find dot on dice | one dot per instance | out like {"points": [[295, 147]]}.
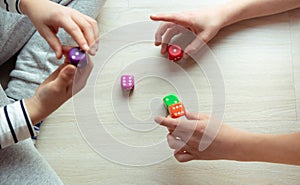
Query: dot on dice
{"points": [[174, 106], [175, 52], [177, 110]]}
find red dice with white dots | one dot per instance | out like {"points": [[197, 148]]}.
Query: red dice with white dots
{"points": [[176, 110], [127, 82], [175, 53]]}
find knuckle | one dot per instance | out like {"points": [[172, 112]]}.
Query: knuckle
{"points": [[94, 22]]}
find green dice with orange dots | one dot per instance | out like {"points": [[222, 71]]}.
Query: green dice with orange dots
{"points": [[175, 107]]}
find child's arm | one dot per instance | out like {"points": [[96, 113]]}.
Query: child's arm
{"points": [[15, 124], [207, 23], [16, 119], [60, 86], [228, 143], [238, 10], [276, 148]]}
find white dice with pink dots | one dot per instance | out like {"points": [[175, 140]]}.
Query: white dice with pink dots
{"points": [[127, 82]]}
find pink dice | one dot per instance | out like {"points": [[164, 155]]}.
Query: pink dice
{"points": [[127, 82]]}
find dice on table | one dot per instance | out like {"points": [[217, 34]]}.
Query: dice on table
{"points": [[170, 99], [77, 57], [127, 82], [175, 52], [176, 110], [174, 106]]}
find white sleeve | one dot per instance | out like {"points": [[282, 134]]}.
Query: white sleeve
{"points": [[11, 5], [15, 124]]}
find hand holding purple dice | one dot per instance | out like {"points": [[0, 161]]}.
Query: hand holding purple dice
{"points": [[175, 53], [127, 82], [77, 57]]}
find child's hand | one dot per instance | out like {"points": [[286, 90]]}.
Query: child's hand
{"points": [[185, 136], [48, 17], [204, 24], [57, 89]]}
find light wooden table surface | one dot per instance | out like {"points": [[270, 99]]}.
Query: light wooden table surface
{"points": [[260, 63]]}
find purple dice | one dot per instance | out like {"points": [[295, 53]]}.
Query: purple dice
{"points": [[77, 57], [127, 82]]}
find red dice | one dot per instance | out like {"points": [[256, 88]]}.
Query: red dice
{"points": [[175, 52], [176, 110]]}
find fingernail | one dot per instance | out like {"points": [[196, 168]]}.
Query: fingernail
{"points": [[93, 50], [85, 47], [57, 55], [158, 119], [70, 71], [185, 56]]}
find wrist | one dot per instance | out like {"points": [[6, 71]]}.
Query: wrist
{"points": [[23, 6], [228, 15], [34, 110], [251, 147]]}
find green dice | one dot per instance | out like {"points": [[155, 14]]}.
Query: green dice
{"points": [[170, 100]]}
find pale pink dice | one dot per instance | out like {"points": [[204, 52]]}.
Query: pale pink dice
{"points": [[127, 82]]}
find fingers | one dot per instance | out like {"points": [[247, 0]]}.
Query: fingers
{"points": [[193, 47], [54, 75], [184, 135], [75, 31], [196, 116], [170, 123], [176, 144], [82, 76], [182, 151], [184, 129], [95, 29], [94, 47], [165, 33], [52, 39], [176, 23], [65, 76], [170, 33], [89, 28], [184, 157], [65, 51], [176, 124], [161, 31], [171, 21], [83, 29], [177, 18]]}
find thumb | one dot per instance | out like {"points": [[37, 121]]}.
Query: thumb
{"points": [[194, 46], [65, 76], [200, 40]]}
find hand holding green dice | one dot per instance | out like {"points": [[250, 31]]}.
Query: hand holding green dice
{"points": [[175, 107]]}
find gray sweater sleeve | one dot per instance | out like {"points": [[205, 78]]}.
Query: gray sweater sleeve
{"points": [[15, 124], [11, 5]]}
